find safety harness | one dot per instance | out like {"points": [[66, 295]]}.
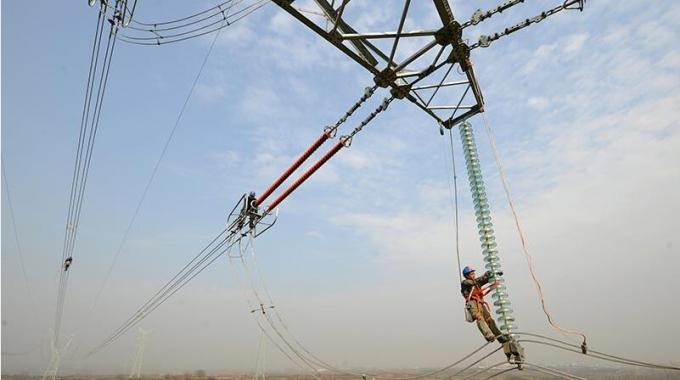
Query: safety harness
{"points": [[477, 293]]}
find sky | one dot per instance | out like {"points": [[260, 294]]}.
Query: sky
{"points": [[361, 263]]}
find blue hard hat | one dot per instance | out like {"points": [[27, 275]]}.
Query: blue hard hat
{"points": [[467, 270], [252, 194]]}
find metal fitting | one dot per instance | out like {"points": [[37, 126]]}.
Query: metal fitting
{"points": [[449, 34], [400, 92], [385, 77]]}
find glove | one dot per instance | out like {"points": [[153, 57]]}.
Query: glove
{"points": [[499, 273]]}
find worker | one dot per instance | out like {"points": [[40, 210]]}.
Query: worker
{"points": [[473, 291], [249, 211], [67, 263], [471, 288]]}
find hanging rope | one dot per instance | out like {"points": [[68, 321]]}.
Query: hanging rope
{"points": [[453, 197], [525, 249]]}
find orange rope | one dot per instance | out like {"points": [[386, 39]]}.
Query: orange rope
{"points": [[527, 255]]}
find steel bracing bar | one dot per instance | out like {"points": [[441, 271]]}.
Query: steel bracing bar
{"points": [[397, 34], [451, 107], [331, 152], [415, 55], [300, 160], [338, 16], [447, 84], [344, 28], [400, 29], [327, 36]]}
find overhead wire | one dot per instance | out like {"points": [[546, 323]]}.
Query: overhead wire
{"points": [[86, 138], [156, 29], [484, 370], [198, 264], [501, 373], [553, 372], [601, 355], [15, 233], [472, 364], [286, 335], [218, 6], [161, 39], [261, 302], [86, 168], [168, 140], [202, 260], [262, 329], [523, 241]]}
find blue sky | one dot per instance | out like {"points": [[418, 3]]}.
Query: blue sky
{"points": [[583, 106]]}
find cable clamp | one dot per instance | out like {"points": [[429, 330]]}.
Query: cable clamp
{"points": [[330, 131], [346, 140]]}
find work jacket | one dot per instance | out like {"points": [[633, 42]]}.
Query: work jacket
{"points": [[468, 286]]}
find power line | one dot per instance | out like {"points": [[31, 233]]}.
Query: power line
{"points": [[154, 37], [154, 24], [311, 357], [88, 131], [553, 372], [20, 253], [596, 354], [155, 170], [215, 249]]}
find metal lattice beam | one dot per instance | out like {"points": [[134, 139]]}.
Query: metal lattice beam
{"points": [[416, 76]]}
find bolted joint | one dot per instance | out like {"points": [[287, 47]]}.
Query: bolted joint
{"points": [[448, 123], [385, 77], [400, 92], [335, 37], [461, 54], [449, 34]]}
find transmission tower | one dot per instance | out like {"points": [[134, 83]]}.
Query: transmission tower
{"points": [[55, 359], [260, 362], [135, 372], [421, 75]]}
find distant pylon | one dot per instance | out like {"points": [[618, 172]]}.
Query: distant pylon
{"points": [[55, 360], [260, 363], [135, 372]]}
